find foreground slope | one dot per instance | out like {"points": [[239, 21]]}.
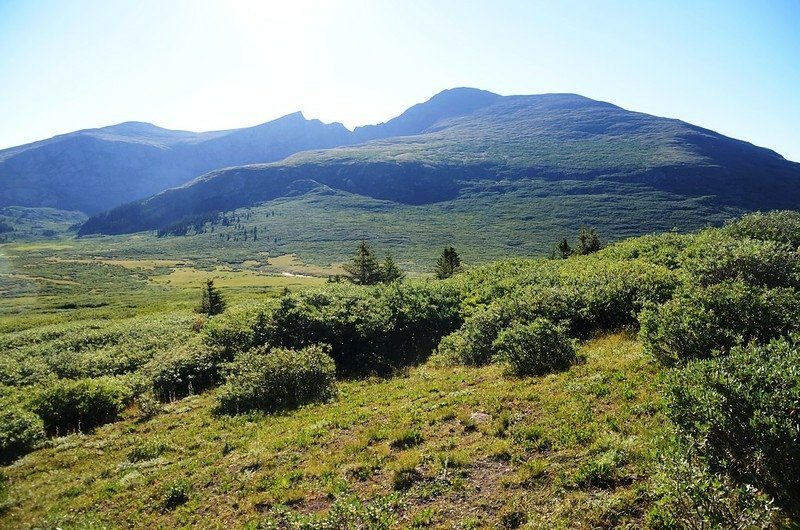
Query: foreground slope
{"points": [[533, 455], [524, 154], [511, 394]]}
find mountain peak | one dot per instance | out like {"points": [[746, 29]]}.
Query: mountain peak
{"points": [[461, 93], [132, 126], [450, 103]]}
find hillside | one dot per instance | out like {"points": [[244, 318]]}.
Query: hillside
{"points": [[652, 384], [96, 169], [555, 160]]}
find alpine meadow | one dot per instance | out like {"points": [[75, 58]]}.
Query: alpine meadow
{"points": [[541, 311]]}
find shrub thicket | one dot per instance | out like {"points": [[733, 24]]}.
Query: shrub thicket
{"points": [[67, 405], [582, 294], [741, 412], [781, 226], [536, 348], [370, 330], [277, 379], [186, 370], [704, 322], [689, 495], [89, 348], [611, 293], [716, 258], [661, 249], [20, 432]]}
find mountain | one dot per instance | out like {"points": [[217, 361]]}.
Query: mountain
{"points": [[528, 160], [96, 169]]}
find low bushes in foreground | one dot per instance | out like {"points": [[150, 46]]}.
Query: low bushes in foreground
{"points": [[277, 379], [20, 432], [741, 413], [782, 226], [581, 295], [67, 405], [370, 330], [188, 370], [536, 348], [703, 322], [689, 495]]}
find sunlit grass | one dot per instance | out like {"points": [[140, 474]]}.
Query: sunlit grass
{"points": [[530, 454]]}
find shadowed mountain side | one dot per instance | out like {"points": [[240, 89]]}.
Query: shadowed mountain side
{"points": [[408, 183], [96, 169]]}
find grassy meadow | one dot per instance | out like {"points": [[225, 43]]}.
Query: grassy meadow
{"points": [[444, 405], [470, 448]]}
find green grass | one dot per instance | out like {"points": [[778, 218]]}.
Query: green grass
{"points": [[64, 278], [565, 456]]}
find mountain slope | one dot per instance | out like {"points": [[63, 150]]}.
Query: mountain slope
{"points": [[96, 169], [515, 150]]}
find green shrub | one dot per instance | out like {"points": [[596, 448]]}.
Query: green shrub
{"points": [[661, 249], [370, 330], [474, 343], [703, 322], [277, 379], [781, 226], [536, 348], [20, 432], [186, 370], [175, 494], [610, 294], [471, 345], [148, 405], [716, 258], [67, 405], [582, 294], [231, 332], [688, 495], [89, 348], [741, 412]]}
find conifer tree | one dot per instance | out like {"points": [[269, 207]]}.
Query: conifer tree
{"points": [[448, 263], [212, 302], [564, 250], [364, 270], [390, 272]]}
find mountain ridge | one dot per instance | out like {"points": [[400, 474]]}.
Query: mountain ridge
{"points": [[93, 170], [457, 149], [538, 140]]}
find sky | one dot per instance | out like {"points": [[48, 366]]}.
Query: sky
{"points": [[727, 65]]}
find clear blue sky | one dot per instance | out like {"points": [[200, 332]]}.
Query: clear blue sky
{"points": [[728, 65]]}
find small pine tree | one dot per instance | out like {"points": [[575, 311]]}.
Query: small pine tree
{"points": [[261, 330], [365, 269], [564, 250], [390, 272], [448, 263], [588, 242], [212, 302]]}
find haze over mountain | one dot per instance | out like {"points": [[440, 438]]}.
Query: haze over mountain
{"points": [[468, 148], [96, 169]]}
